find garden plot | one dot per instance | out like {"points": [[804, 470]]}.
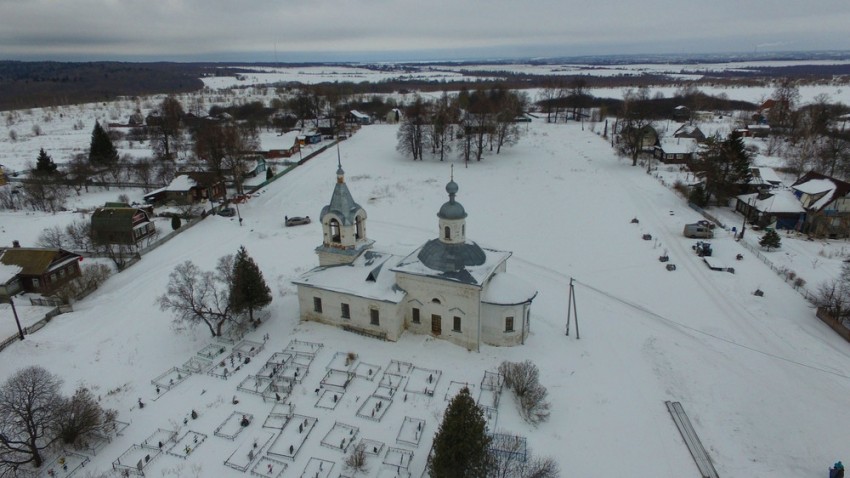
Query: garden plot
{"points": [[410, 432], [337, 380], [299, 346], [456, 387], [393, 472], [134, 460], [278, 389], [211, 351], [186, 444], [233, 425], [400, 368], [422, 381], [93, 444], [100, 438], [170, 378], [292, 437], [340, 437], [249, 450], [248, 348], [268, 468], [388, 385], [226, 367], [278, 416], [66, 464], [367, 371], [489, 398], [318, 468], [374, 408], [196, 365], [491, 389], [329, 399], [398, 457], [342, 361], [254, 384], [509, 447], [491, 416], [160, 439], [372, 447]]}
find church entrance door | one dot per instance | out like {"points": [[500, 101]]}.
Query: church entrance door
{"points": [[436, 324]]}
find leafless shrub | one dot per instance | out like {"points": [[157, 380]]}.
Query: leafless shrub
{"points": [[356, 460], [53, 237], [523, 379]]}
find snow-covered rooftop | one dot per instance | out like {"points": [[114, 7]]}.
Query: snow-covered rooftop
{"points": [[678, 145], [181, 183], [475, 275], [368, 276], [506, 289], [8, 272], [780, 201]]}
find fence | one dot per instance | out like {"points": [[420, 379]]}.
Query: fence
{"points": [[36, 326], [836, 324], [787, 276]]}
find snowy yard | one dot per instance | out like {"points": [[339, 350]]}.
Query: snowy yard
{"points": [[763, 380]]}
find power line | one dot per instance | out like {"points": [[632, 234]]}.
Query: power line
{"points": [[707, 334]]}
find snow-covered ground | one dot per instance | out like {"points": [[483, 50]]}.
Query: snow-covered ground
{"points": [[762, 379]]}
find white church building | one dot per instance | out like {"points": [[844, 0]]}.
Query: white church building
{"points": [[449, 288]]}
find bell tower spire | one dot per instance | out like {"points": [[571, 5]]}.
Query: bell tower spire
{"points": [[343, 225]]}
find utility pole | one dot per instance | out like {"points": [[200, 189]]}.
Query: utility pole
{"points": [[571, 309], [17, 321]]}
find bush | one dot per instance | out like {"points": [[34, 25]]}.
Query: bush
{"points": [[356, 460], [523, 379]]}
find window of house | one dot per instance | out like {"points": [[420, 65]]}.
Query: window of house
{"points": [[317, 304], [456, 324], [375, 317], [53, 277], [415, 315], [36, 283], [61, 273], [509, 324], [345, 311]]}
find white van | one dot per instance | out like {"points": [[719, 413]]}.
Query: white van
{"points": [[699, 231]]}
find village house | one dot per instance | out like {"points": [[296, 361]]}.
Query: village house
{"points": [[690, 131], [40, 270], [779, 209], [188, 188], [118, 223], [827, 205], [449, 288], [675, 150], [356, 117]]}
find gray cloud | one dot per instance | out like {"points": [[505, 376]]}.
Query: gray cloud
{"points": [[209, 29]]}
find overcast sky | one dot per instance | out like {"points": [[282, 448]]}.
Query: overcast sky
{"points": [[301, 30]]}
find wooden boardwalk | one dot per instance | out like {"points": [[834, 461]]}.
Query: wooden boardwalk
{"points": [[701, 458]]}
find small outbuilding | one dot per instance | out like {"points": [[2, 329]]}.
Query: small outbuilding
{"points": [[121, 224]]}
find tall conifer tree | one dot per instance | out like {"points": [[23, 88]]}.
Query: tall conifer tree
{"points": [[461, 445], [249, 290], [101, 152]]}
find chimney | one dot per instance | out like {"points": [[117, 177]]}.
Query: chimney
{"points": [[16, 244]]}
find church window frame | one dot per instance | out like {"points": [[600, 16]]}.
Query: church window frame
{"points": [[416, 317], [335, 230], [358, 227], [317, 305], [374, 316], [509, 324], [345, 310], [447, 233], [456, 322]]}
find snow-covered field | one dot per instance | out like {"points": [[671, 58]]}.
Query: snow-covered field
{"points": [[762, 379]]}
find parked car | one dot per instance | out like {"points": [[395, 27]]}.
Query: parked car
{"points": [[697, 230], [227, 212], [297, 220]]}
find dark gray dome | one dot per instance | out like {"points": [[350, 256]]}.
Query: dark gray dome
{"points": [[440, 256], [452, 209]]}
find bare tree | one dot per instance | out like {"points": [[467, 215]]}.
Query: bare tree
{"points": [[81, 417], [356, 460], [198, 297], [411, 133], [45, 194], [29, 406], [167, 128], [523, 379], [636, 127], [53, 237]]}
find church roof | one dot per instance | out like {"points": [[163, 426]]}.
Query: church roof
{"points": [[342, 204], [507, 289], [451, 209], [445, 257], [368, 277], [471, 274]]}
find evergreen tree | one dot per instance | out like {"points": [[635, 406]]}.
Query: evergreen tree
{"points": [[770, 240], [725, 165], [697, 196], [101, 152], [461, 445], [248, 290], [44, 165], [175, 222]]}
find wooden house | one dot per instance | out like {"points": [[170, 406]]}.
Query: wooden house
{"points": [[41, 270], [121, 224], [690, 131], [827, 205], [356, 117], [675, 150], [189, 187]]}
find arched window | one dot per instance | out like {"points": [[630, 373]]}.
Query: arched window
{"points": [[447, 232], [358, 227], [334, 227], [435, 301]]}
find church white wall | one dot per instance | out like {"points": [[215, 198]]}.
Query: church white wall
{"points": [[329, 258], [391, 322], [493, 320], [455, 299]]}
